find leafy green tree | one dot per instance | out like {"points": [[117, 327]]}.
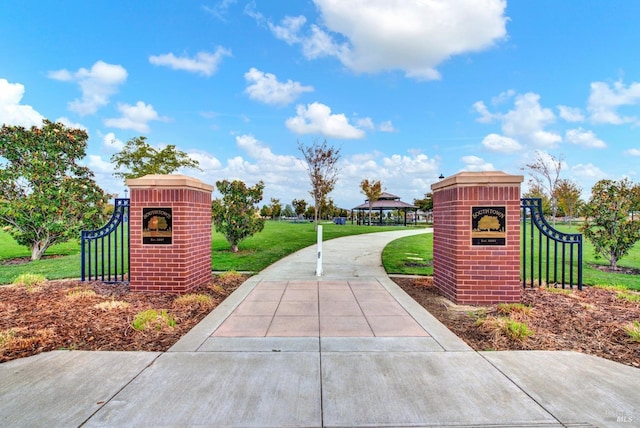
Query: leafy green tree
{"points": [[425, 204], [46, 196], [568, 197], [608, 225], [310, 212], [372, 190], [236, 214], [288, 211], [265, 211], [535, 191], [300, 205], [138, 158], [322, 166], [276, 208]]}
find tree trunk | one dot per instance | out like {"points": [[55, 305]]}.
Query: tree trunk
{"points": [[38, 249], [234, 248]]}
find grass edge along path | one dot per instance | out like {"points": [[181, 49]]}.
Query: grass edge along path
{"points": [[410, 255], [277, 240]]}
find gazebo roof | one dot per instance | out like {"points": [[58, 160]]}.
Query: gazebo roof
{"points": [[387, 201]]}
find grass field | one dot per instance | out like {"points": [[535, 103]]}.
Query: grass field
{"points": [[411, 255], [277, 240]]}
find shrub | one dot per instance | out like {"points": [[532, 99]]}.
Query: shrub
{"points": [[151, 318], [194, 299], [633, 330], [32, 282]]}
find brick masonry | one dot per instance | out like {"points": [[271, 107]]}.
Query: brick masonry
{"points": [[185, 263], [476, 274]]}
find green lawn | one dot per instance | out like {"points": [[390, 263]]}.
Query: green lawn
{"points": [[411, 255], [277, 240]]}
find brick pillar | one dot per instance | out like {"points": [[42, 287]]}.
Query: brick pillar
{"points": [[170, 238], [476, 237]]}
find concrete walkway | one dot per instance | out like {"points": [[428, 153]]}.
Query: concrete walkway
{"points": [[347, 349]]}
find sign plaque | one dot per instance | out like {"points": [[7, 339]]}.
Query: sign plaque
{"points": [[157, 226], [488, 225]]}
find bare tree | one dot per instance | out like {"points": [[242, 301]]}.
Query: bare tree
{"points": [[322, 165], [372, 190], [545, 174]]}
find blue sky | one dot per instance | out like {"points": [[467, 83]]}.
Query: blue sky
{"points": [[408, 90]]}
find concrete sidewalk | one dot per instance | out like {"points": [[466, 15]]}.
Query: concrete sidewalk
{"points": [[347, 349]]}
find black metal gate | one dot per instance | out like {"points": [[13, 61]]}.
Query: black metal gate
{"points": [[549, 256], [105, 251]]}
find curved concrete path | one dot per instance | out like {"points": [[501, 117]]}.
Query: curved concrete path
{"points": [[303, 367]]}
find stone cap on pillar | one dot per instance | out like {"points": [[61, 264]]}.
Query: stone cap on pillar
{"points": [[169, 181], [483, 178]]}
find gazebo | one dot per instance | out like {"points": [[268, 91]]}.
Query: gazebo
{"points": [[386, 202]]}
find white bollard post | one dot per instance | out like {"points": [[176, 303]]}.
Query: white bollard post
{"points": [[319, 265]]}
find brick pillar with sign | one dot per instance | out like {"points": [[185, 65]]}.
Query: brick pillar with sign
{"points": [[476, 237], [170, 237]]}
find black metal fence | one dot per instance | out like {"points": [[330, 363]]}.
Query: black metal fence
{"points": [[105, 252], [548, 256]]}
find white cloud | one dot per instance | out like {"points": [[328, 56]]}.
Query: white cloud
{"points": [[571, 114], [99, 165], [111, 142], [70, 124], [485, 115], [316, 118], [204, 63], [365, 123], [526, 122], [605, 100], [528, 119], [633, 152], [207, 161], [386, 126], [288, 29], [588, 171], [11, 111], [584, 138], [501, 144], [266, 88], [97, 85], [257, 150], [136, 117], [409, 165], [383, 35], [474, 163], [220, 9]]}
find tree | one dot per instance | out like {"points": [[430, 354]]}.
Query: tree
{"points": [[300, 206], [46, 196], [535, 191], [568, 197], [425, 204], [607, 224], [236, 214], [276, 208], [322, 166], [140, 159], [545, 175], [372, 190], [288, 211], [265, 211]]}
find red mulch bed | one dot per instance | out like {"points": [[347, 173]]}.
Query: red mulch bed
{"points": [[591, 321], [86, 316], [74, 315]]}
